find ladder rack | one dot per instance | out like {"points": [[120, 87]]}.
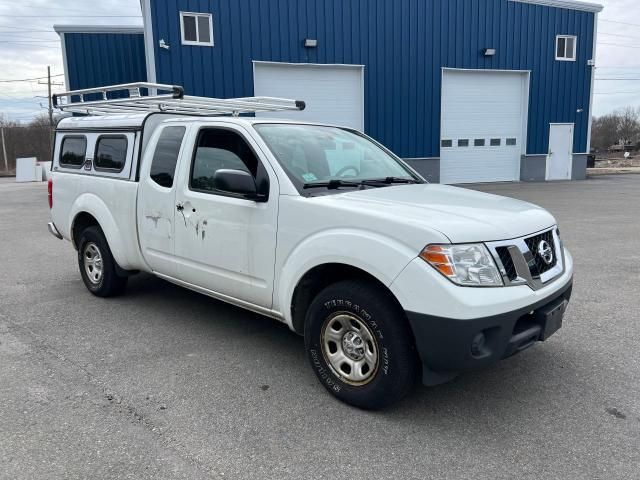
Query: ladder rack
{"points": [[131, 98]]}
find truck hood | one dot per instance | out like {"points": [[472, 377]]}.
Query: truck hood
{"points": [[460, 214]]}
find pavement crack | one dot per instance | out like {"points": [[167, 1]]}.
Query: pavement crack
{"points": [[114, 400]]}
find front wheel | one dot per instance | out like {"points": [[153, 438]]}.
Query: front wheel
{"points": [[360, 345], [97, 265]]}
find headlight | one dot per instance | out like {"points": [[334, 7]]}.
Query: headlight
{"points": [[469, 265]]}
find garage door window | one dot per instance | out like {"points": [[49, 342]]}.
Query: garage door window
{"points": [[479, 142], [566, 48], [196, 29], [446, 143], [464, 142], [512, 142], [495, 142]]}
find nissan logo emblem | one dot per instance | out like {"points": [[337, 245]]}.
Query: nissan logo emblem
{"points": [[545, 252]]}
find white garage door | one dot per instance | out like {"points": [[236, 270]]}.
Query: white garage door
{"points": [[333, 93], [483, 125]]}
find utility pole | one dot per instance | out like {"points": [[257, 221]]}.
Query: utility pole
{"points": [[51, 122], [50, 108], [4, 150], [50, 99]]}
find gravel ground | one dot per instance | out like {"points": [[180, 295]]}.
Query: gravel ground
{"points": [[165, 383]]}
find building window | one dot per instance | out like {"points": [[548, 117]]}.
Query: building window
{"points": [[479, 142], [566, 48], [463, 142], [111, 153], [495, 142], [196, 29], [512, 142], [446, 143]]}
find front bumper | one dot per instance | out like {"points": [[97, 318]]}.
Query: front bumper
{"points": [[446, 345]]}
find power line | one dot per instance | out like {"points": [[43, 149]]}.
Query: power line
{"points": [[619, 45], [620, 23], [30, 44], [601, 79], [30, 79], [617, 93], [41, 7], [618, 35], [73, 16]]}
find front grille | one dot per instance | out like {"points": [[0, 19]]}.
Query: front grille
{"points": [[537, 265], [507, 262]]}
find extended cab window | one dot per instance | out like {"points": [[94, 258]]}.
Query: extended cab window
{"points": [[111, 153], [73, 151], [219, 149], [165, 158]]}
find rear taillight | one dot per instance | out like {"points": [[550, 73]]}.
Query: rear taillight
{"points": [[50, 192]]}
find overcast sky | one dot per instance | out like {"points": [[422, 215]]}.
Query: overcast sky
{"points": [[29, 44]]}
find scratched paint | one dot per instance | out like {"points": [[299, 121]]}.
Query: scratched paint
{"points": [[157, 224]]}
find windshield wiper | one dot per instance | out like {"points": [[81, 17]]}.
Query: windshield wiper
{"points": [[372, 182], [332, 184], [388, 181]]}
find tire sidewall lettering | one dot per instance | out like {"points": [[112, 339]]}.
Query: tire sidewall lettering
{"points": [[337, 304]]}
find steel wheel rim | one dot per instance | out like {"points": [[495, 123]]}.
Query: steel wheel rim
{"points": [[93, 265], [350, 348]]}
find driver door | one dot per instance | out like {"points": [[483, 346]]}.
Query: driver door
{"points": [[226, 243]]}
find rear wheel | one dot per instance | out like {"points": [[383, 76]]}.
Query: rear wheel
{"points": [[97, 265], [360, 345]]}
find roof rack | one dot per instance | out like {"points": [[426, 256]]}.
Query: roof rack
{"points": [[145, 97]]}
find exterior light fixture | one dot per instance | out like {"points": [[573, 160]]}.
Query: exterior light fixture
{"points": [[310, 43], [489, 52], [164, 44]]}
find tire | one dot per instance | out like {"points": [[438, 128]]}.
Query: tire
{"points": [[99, 271], [351, 324]]}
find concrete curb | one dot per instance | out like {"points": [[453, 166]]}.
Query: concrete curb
{"points": [[592, 172]]}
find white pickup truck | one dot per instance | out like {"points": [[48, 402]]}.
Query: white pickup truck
{"points": [[387, 277]]}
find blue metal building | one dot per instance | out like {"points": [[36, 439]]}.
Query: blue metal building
{"points": [[466, 90], [99, 55]]}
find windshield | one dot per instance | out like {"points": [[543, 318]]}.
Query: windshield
{"points": [[313, 156]]}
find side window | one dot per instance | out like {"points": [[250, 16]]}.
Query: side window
{"points": [[111, 153], [566, 48], [196, 29], [219, 149], [165, 158], [73, 151]]}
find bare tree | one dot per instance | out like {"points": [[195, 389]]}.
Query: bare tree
{"points": [[604, 131], [26, 140], [629, 125], [621, 127]]}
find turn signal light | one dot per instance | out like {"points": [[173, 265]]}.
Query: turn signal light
{"points": [[437, 257], [464, 264]]}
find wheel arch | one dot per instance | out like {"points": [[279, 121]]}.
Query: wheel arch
{"points": [[321, 276], [89, 210]]}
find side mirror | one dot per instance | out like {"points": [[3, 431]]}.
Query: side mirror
{"points": [[235, 181]]}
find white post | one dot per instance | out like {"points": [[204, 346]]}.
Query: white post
{"points": [[4, 151]]}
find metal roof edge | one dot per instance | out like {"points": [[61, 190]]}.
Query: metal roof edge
{"points": [[568, 4], [131, 29]]}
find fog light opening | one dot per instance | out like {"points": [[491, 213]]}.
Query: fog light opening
{"points": [[479, 347]]}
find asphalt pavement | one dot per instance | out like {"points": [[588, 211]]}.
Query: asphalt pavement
{"points": [[165, 383]]}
